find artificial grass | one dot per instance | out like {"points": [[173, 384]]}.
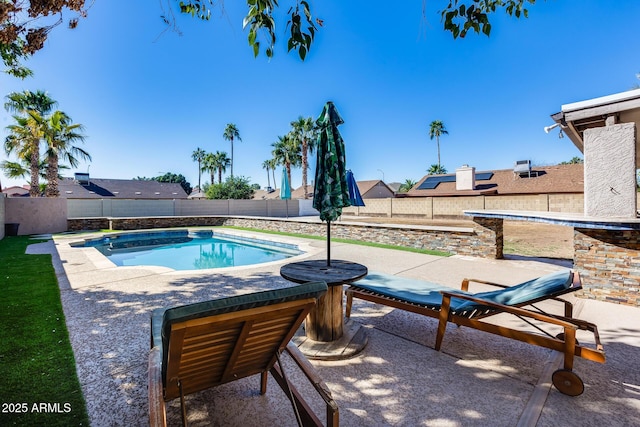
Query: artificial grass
{"points": [[350, 241], [38, 380]]}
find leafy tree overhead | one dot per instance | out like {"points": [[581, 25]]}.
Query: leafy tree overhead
{"points": [[25, 24], [234, 187]]}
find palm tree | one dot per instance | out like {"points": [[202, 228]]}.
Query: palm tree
{"points": [[286, 151], [272, 164], [31, 108], [407, 185], [208, 165], [60, 136], [198, 156], [231, 133], [267, 165], [436, 129], [221, 161], [436, 170], [306, 132]]}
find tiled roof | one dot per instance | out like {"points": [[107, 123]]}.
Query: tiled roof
{"points": [[544, 179], [99, 188]]}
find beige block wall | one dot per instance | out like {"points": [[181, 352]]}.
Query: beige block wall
{"points": [[532, 202], [422, 206], [454, 206], [573, 203], [37, 215]]}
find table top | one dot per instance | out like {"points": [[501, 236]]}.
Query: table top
{"points": [[338, 273]]}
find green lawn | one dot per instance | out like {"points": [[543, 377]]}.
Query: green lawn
{"points": [[38, 381]]}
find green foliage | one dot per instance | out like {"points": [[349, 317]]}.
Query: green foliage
{"points": [[460, 16], [407, 185], [573, 161], [436, 169], [234, 187], [169, 177], [37, 359], [176, 178]]}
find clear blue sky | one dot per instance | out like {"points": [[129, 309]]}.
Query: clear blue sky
{"points": [[148, 100]]}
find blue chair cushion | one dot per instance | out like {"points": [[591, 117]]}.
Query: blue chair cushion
{"points": [[529, 291]]}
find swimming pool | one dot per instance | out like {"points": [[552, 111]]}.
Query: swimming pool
{"points": [[189, 250]]}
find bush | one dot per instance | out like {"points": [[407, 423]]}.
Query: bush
{"points": [[234, 187]]}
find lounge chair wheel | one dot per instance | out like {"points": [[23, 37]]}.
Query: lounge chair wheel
{"points": [[567, 382], [560, 336]]}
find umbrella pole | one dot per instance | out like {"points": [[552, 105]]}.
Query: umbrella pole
{"points": [[328, 243]]}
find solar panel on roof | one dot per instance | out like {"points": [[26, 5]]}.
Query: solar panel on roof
{"points": [[432, 182]]}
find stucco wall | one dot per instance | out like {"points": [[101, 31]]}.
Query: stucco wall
{"points": [[2, 199], [37, 215], [78, 208], [610, 171]]}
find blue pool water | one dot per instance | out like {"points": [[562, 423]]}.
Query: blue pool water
{"points": [[183, 250]]}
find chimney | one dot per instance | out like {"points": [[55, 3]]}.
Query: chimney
{"points": [[465, 178], [82, 178]]}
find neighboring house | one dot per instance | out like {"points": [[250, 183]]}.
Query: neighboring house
{"points": [[374, 189], [83, 187], [16, 191], [536, 180], [395, 186]]}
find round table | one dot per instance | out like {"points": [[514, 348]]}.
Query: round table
{"points": [[325, 321]]}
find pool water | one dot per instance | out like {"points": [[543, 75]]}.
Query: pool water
{"points": [[183, 250]]}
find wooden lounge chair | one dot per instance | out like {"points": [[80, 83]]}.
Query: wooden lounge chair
{"points": [[467, 309], [198, 346]]}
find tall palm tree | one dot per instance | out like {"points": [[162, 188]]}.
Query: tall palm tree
{"points": [[60, 136], [31, 108], [306, 132], [198, 156], [208, 166], [230, 133], [221, 161], [272, 164], [436, 129], [286, 151], [267, 165]]}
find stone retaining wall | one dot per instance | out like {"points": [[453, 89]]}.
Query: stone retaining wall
{"points": [[485, 239], [609, 264]]}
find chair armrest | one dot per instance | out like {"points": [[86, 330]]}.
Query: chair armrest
{"points": [[466, 281], [157, 414], [507, 309], [313, 376]]}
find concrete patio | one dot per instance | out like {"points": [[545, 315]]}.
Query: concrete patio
{"points": [[398, 380]]}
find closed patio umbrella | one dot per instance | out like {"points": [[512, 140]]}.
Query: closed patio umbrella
{"points": [[285, 190], [331, 192], [354, 192]]}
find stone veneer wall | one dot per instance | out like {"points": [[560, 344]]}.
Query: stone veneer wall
{"points": [[485, 239], [609, 264]]}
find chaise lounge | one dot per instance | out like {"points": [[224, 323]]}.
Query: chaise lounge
{"points": [[464, 308], [199, 346]]}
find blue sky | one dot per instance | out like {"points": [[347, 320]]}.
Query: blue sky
{"points": [[148, 99]]}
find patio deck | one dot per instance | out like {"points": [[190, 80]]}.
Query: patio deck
{"points": [[397, 380]]}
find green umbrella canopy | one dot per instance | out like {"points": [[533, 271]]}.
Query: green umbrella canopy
{"points": [[331, 192]]}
